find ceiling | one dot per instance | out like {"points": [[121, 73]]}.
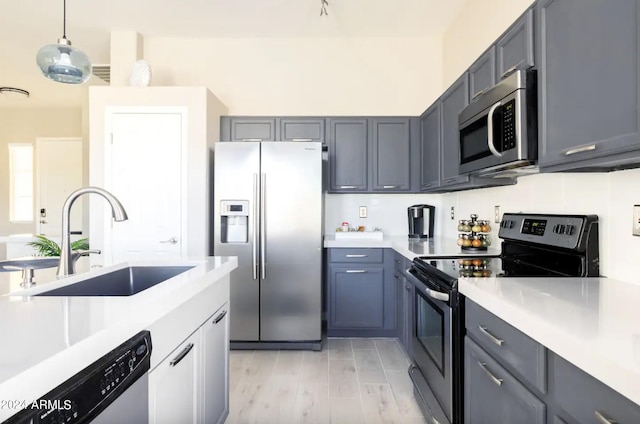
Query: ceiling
{"points": [[27, 25]]}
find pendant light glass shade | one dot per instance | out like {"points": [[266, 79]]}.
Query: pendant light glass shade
{"points": [[63, 63]]}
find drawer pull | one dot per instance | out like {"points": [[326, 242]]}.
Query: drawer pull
{"points": [[426, 185], [219, 317], [389, 186], [356, 271], [301, 139], [450, 180], [357, 256], [604, 420], [493, 378], [347, 186], [396, 276], [251, 139], [181, 355], [580, 150], [491, 337], [396, 261], [407, 288]]}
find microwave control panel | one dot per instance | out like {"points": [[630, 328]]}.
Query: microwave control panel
{"points": [[509, 125]]}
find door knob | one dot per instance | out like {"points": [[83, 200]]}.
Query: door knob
{"points": [[43, 221], [172, 240]]}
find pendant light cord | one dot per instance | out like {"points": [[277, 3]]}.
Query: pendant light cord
{"points": [[64, 18]]}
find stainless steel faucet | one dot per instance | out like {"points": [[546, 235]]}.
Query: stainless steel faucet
{"points": [[67, 260]]}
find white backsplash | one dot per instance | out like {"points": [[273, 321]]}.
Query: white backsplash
{"points": [[385, 211], [611, 196]]}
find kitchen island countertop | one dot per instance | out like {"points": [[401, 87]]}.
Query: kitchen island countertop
{"points": [[436, 247], [48, 339], [594, 323]]}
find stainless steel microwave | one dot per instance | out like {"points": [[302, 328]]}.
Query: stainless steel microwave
{"points": [[498, 130]]}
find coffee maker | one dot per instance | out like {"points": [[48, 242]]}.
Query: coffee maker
{"points": [[421, 221]]}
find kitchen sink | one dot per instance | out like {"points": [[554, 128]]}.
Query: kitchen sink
{"points": [[122, 282], [31, 262]]}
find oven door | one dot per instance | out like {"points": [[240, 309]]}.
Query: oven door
{"points": [[433, 341]]}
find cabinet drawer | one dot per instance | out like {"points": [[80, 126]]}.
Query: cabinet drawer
{"points": [[364, 255], [507, 344], [586, 399], [493, 395]]}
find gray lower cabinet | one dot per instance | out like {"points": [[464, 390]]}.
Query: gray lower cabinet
{"points": [[247, 128], [348, 157], [493, 395], [404, 302], [360, 295], [588, 84], [585, 400], [482, 74], [452, 101], [302, 129], [514, 49], [390, 154], [430, 140]]}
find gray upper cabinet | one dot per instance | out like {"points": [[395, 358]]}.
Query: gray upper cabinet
{"points": [[302, 129], [453, 101], [348, 141], [588, 84], [482, 74], [248, 129], [391, 154], [514, 50], [430, 148]]}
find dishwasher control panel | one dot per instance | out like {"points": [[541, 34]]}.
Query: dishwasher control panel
{"points": [[83, 396]]}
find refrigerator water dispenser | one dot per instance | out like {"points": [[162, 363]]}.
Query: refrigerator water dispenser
{"points": [[234, 219]]}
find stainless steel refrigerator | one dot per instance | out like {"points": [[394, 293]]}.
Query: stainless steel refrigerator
{"points": [[268, 213]]}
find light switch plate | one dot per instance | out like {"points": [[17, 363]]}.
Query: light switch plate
{"points": [[362, 212], [496, 214], [453, 212], [636, 220]]}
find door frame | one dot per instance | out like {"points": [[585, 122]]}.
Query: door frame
{"points": [[107, 223], [36, 186]]}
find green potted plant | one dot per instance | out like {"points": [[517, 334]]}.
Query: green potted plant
{"points": [[44, 246]]}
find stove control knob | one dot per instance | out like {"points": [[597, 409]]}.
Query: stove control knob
{"points": [[569, 229]]}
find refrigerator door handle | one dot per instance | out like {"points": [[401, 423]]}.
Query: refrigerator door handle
{"points": [[254, 241], [263, 237]]}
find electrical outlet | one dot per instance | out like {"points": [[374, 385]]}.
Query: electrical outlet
{"points": [[496, 214], [362, 211], [453, 213], [636, 220]]}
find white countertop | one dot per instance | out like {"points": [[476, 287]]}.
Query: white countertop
{"points": [[411, 248], [46, 340], [593, 323]]}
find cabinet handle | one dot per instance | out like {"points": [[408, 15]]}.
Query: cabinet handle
{"points": [[450, 180], [347, 186], [251, 139], [493, 378], [426, 185], [219, 317], [580, 150], [479, 93], [301, 139], [604, 420], [396, 276], [356, 256], [408, 288], [356, 271], [508, 72], [389, 186], [491, 337], [175, 361]]}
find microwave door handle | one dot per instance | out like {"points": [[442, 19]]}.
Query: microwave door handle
{"points": [[492, 148]]}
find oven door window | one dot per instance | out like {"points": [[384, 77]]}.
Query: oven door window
{"points": [[473, 138], [430, 329]]}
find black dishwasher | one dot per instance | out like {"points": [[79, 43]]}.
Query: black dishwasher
{"points": [[113, 389]]}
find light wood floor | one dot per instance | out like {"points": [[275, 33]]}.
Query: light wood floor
{"points": [[350, 381]]}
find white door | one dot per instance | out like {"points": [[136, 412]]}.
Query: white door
{"points": [[58, 173], [146, 175]]}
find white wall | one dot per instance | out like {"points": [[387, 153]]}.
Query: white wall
{"points": [[609, 195], [305, 76], [24, 125]]}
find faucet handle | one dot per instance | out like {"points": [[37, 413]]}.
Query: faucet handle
{"points": [[76, 254]]}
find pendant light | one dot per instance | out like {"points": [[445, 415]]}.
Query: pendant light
{"points": [[61, 62]]}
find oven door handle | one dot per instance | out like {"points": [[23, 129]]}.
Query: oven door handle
{"points": [[434, 294], [490, 145]]}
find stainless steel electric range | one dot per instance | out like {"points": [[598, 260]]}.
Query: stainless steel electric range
{"points": [[533, 245]]}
